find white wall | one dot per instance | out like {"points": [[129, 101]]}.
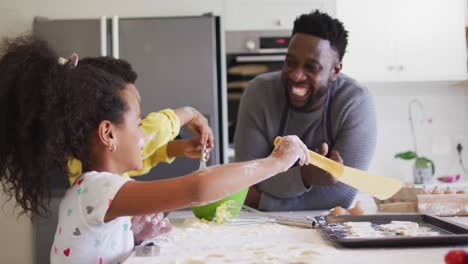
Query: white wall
{"points": [[446, 103], [16, 235], [17, 16], [16, 238]]}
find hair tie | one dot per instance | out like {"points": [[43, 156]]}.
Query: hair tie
{"points": [[73, 60], [62, 61]]}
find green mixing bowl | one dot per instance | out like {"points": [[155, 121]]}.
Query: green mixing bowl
{"points": [[208, 211]]}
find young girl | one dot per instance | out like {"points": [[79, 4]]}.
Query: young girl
{"points": [[165, 124], [161, 148], [51, 113]]}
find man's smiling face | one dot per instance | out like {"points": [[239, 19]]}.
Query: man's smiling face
{"points": [[311, 63]]}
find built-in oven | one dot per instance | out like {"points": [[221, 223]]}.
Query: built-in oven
{"points": [[250, 53]]}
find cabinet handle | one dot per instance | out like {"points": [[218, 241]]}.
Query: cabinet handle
{"points": [[390, 67], [103, 35], [401, 68], [115, 37]]}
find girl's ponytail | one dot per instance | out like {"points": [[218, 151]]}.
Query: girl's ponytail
{"points": [[32, 148], [48, 112]]}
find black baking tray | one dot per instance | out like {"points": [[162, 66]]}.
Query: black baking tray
{"points": [[450, 233]]}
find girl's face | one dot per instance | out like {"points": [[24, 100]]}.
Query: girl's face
{"points": [[130, 137]]}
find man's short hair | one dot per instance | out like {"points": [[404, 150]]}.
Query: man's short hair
{"points": [[325, 27]]}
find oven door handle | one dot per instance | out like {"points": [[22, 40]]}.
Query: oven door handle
{"points": [[261, 58]]}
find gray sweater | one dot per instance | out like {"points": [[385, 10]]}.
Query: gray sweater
{"points": [[353, 123]]}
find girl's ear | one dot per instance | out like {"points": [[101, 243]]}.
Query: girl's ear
{"points": [[106, 134]]}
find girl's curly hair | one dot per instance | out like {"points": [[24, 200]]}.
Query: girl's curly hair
{"points": [[48, 112]]}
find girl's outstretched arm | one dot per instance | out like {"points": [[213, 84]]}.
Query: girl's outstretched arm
{"points": [[204, 186]]}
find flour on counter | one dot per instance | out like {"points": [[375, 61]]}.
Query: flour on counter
{"points": [[196, 241]]}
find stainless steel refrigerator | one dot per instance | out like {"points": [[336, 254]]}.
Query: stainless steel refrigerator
{"points": [[178, 61]]}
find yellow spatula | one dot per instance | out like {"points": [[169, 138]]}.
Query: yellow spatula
{"points": [[380, 187]]}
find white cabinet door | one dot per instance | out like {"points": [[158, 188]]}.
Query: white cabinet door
{"points": [[431, 40], [370, 54], [270, 14], [417, 40]]}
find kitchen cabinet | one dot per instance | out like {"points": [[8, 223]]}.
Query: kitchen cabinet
{"points": [[268, 14], [417, 40]]}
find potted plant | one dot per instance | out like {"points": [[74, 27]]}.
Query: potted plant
{"points": [[423, 169]]}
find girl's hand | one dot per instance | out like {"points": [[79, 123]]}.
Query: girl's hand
{"points": [[193, 148], [149, 226], [199, 125], [190, 148], [289, 150], [312, 175]]}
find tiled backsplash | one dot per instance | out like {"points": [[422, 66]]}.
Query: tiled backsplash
{"points": [[446, 103]]}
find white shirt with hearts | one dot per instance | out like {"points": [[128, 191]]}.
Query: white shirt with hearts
{"points": [[81, 235]]}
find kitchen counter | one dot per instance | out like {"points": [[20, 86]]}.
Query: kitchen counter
{"points": [[192, 241]]}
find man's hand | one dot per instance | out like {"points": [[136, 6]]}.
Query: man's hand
{"points": [[312, 175], [149, 226]]}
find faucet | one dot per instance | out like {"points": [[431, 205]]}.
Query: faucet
{"points": [[416, 102]]}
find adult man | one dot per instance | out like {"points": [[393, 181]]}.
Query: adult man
{"points": [[309, 98]]}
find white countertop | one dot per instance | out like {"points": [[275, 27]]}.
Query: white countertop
{"points": [[195, 242]]}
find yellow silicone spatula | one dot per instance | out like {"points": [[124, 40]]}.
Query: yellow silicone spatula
{"points": [[379, 186]]}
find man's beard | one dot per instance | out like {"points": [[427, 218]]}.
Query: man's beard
{"points": [[311, 101]]}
